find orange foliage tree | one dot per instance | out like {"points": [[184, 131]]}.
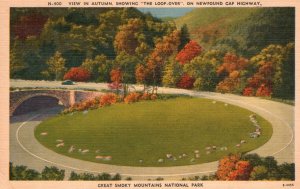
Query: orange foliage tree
{"points": [[232, 168], [232, 71], [142, 75], [162, 51], [116, 78], [190, 51], [127, 37]]}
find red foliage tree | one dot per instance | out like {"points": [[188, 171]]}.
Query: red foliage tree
{"points": [[262, 80], [232, 168], [264, 90], [186, 82], [77, 74], [29, 25], [189, 52], [248, 91]]}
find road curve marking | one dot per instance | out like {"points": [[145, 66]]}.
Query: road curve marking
{"points": [[154, 175]]}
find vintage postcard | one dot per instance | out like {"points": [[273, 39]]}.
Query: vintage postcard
{"points": [[149, 94]]}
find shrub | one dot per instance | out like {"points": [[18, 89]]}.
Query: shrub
{"points": [[263, 91], [145, 96], [153, 97], [132, 97], [53, 173], [108, 99], [186, 82], [21, 172], [248, 91], [77, 74]]}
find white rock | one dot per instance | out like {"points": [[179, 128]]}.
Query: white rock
{"points": [[44, 134], [59, 140], [184, 155], [169, 156], [258, 133], [196, 151], [214, 147], [85, 151], [60, 145], [238, 145], [208, 148], [243, 141], [207, 152], [141, 161], [107, 158], [197, 155], [99, 157], [160, 160], [71, 149]]}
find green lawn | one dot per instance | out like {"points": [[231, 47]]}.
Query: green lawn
{"points": [[149, 130]]}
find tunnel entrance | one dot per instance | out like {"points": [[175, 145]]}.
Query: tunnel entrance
{"points": [[37, 103]]}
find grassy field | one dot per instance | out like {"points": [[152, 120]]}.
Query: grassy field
{"points": [[142, 133]]}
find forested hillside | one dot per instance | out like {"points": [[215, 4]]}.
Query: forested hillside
{"points": [[243, 30], [247, 51]]}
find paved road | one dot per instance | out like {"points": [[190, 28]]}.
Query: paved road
{"points": [[26, 150]]}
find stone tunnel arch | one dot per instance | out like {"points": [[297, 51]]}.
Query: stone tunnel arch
{"points": [[24, 99]]}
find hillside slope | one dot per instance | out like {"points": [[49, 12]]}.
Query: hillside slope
{"points": [[206, 25]]}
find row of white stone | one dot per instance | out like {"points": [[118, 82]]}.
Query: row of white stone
{"points": [[257, 131]]}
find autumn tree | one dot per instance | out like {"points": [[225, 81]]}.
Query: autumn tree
{"points": [[232, 167], [116, 76], [29, 25], [142, 75], [186, 82], [274, 67], [56, 65], [190, 51], [233, 70], [77, 74], [163, 49], [127, 39]]}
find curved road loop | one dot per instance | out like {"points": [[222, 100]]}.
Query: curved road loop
{"points": [[26, 150]]}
